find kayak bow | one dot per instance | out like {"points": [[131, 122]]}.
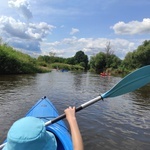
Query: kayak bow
{"points": [[45, 110]]}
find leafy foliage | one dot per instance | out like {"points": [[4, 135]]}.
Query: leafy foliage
{"points": [[80, 59], [143, 54], [51, 59], [139, 57], [14, 62], [102, 61], [66, 66]]}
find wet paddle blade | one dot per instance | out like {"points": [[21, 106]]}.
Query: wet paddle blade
{"points": [[130, 83]]}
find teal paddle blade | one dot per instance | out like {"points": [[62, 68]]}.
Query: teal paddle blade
{"points": [[130, 83]]}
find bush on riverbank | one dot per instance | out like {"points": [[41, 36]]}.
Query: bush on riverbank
{"points": [[15, 62], [66, 66]]}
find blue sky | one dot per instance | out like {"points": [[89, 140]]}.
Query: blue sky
{"points": [[67, 26]]}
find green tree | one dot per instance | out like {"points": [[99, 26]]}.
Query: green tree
{"points": [[113, 62], [101, 61], [70, 61], [129, 61], [51, 59], [82, 59], [98, 62], [139, 57], [142, 54]]}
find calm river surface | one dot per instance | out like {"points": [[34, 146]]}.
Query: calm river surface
{"points": [[119, 123]]}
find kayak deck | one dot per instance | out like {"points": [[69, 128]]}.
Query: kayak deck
{"points": [[45, 110]]}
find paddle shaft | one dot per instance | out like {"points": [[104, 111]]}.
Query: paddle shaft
{"points": [[86, 104], [131, 82], [1, 146], [92, 101]]}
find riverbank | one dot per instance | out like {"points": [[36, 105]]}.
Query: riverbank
{"points": [[16, 62]]}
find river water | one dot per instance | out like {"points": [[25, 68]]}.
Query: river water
{"points": [[119, 123]]}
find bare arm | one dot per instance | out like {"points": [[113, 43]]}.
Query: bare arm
{"points": [[75, 132]]}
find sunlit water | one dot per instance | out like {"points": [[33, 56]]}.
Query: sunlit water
{"points": [[119, 123]]}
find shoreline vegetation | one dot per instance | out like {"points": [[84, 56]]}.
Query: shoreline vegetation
{"points": [[16, 62]]}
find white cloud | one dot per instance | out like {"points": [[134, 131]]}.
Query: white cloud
{"points": [[69, 46], [74, 30], [28, 46], [47, 47], [22, 35], [22, 6], [32, 36], [133, 27], [13, 28]]}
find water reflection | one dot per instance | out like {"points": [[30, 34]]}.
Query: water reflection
{"points": [[78, 78], [143, 93]]}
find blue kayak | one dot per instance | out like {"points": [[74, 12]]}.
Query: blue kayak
{"points": [[45, 110]]}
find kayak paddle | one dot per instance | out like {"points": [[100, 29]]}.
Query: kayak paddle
{"points": [[129, 83]]}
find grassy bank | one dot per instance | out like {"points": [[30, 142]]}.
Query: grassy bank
{"points": [[15, 62], [66, 66]]}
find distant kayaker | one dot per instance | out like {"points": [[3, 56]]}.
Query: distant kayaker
{"points": [[75, 132], [29, 133]]}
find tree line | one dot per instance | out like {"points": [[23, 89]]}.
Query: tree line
{"points": [[139, 57], [78, 60], [107, 61], [15, 62]]}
